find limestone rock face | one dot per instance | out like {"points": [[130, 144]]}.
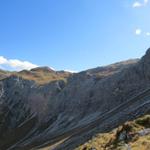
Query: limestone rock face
{"points": [[38, 112], [145, 63]]}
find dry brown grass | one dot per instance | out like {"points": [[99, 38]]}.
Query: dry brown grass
{"points": [[110, 141], [40, 76]]}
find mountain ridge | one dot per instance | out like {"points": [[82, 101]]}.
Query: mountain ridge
{"points": [[70, 101]]}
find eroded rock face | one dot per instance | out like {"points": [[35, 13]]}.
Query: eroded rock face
{"points": [[145, 63], [37, 112]]}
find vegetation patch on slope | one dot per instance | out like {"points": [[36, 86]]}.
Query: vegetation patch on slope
{"points": [[133, 135], [40, 75]]}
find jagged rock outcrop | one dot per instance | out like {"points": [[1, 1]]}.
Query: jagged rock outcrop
{"points": [[59, 106]]}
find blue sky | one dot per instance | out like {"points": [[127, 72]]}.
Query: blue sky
{"points": [[72, 34]]}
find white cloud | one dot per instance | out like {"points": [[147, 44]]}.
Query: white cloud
{"points": [[138, 4], [146, 1], [71, 71], [148, 33], [2, 60], [16, 64], [138, 31]]}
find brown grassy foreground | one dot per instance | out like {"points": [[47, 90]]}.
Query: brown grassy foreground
{"points": [[133, 135]]}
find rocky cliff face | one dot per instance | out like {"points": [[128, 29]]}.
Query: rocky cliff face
{"points": [[34, 115]]}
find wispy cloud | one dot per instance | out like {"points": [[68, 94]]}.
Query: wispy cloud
{"points": [[146, 1], [138, 31], [16, 64], [147, 33], [71, 71], [138, 4]]}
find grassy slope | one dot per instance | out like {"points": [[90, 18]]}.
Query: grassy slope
{"points": [[43, 77], [123, 138], [40, 76]]}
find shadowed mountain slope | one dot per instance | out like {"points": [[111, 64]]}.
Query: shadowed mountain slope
{"points": [[42, 107]]}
